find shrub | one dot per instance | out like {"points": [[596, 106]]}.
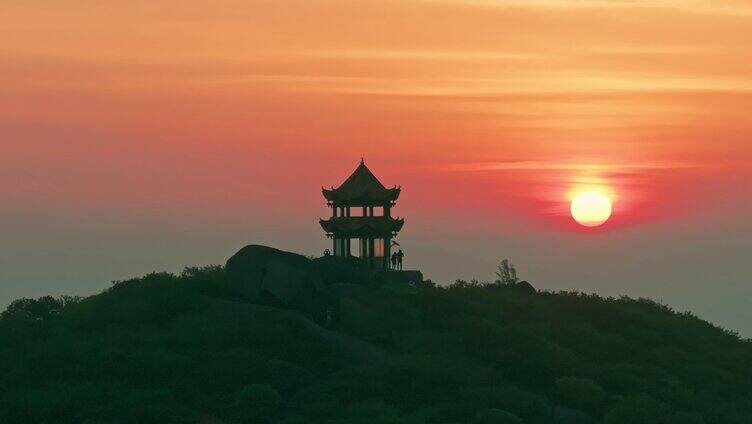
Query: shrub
{"points": [[686, 418], [580, 393], [258, 402], [636, 409], [496, 416]]}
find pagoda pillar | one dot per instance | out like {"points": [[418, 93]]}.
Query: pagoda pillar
{"points": [[387, 251]]}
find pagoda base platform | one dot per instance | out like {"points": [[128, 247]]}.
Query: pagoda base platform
{"points": [[407, 277]]}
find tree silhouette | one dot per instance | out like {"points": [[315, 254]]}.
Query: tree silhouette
{"points": [[506, 273]]}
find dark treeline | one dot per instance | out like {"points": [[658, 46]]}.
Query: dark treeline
{"points": [[185, 349]]}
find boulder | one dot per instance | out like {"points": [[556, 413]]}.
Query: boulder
{"points": [[526, 287], [267, 275]]}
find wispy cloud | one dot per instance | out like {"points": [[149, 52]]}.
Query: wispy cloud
{"points": [[531, 165], [693, 6], [429, 55]]}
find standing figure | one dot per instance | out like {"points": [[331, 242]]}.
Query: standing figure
{"points": [[400, 255], [394, 260]]}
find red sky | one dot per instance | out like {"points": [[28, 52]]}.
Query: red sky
{"points": [[142, 135]]}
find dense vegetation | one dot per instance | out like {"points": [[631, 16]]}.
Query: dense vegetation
{"points": [[167, 348]]}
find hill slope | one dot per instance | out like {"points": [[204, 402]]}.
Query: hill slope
{"points": [[188, 348]]}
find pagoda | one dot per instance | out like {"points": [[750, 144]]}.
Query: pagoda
{"points": [[361, 211]]}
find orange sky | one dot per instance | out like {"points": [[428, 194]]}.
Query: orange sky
{"points": [[132, 133]]}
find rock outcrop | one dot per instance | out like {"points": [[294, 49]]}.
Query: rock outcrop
{"points": [[267, 275], [262, 274]]}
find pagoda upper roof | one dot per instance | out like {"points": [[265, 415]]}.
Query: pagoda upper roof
{"points": [[361, 188], [362, 225]]}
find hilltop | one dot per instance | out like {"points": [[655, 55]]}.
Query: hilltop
{"points": [[274, 337]]}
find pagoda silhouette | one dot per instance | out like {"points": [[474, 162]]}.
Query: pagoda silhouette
{"points": [[362, 211]]}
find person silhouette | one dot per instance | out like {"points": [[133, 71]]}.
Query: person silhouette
{"points": [[400, 255], [394, 260]]}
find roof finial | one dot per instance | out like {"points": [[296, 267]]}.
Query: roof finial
{"points": [[362, 162]]}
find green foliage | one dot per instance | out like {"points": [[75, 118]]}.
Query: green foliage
{"points": [[258, 402], [686, 418], [184, 348], [496, 416], [637, 409], [42, 309], [581, 393]]}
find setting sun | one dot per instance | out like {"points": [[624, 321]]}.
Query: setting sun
{"points": [[591, 208]]}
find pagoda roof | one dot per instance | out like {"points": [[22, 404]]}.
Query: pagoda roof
{"points": [[361, 188], [362, 225]]}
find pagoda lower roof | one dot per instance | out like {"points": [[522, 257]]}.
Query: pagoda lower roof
{"points": [[356, 226]]}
